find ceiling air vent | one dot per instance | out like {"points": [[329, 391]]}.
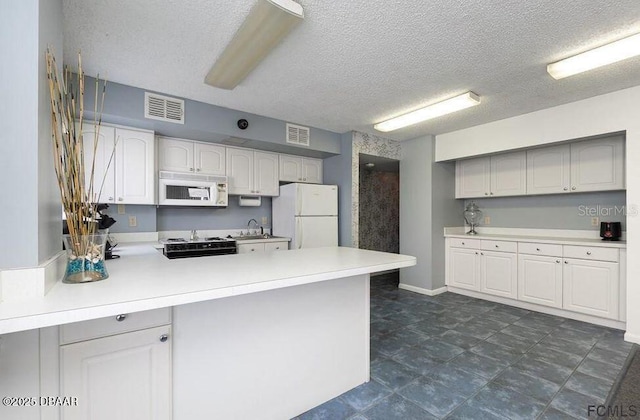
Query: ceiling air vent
{"points": [[297, 134], [163, 108]]}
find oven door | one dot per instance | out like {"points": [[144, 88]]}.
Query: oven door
{"points": [[188, 193]]}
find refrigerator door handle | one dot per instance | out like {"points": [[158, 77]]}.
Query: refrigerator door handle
{"points": [[299, 229], [298, 203]]}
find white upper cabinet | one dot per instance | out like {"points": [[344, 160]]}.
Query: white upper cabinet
{"points": [[266, 173], [591, 165], [597, 165], [252, 172], [508, 174], [472, 177], [135, 167], [299, 169], [124, 171], [548, 170], [188, 156], [210, 159]]}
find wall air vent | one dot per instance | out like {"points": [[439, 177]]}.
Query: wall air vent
{"points": [[297, 134], [163, 108]]}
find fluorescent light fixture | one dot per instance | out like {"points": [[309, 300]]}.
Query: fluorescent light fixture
{"points": [[268, 22], [454, 104], [601, 56]]}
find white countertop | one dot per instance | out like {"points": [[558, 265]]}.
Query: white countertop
{"points": [[538, 237], [144, 279]]}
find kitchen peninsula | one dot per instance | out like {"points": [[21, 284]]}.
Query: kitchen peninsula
{"points": [[266, 335]]}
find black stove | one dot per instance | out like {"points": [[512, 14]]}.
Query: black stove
{"points": [[182, 248]]}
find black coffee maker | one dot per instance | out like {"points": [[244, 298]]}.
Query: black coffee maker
{"points": [[610, 231]]}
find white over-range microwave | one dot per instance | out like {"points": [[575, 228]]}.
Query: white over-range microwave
{"points": [[184, 189]]}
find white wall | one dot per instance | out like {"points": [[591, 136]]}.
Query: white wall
{"points": [[613, 112]]}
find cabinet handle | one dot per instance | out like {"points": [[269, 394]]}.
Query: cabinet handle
{"points": [[191, 169], [566, 262], [558, 261], [110, 198], [120, 199], [462, 243], [304, 179], [164, 338], [491, 193], [497, 246], [573, 188], [537, 249], [588, 252], [482, 253], [121, 317], [252, 249], [198, 170], [486, 193], [476, 252], [566, 189], [277, 247]]}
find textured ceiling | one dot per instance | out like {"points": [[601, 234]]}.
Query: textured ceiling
{"points": [[351, 64]]}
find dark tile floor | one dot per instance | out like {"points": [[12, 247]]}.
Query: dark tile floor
{"points": [[455, 357]]}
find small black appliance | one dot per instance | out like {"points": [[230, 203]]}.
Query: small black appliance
{"points": [[610, 231]]}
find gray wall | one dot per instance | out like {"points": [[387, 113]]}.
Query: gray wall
{"points": [[560, 211], [125, 105], [26, 176], [446, 211], [337, 170], [415, 210]]}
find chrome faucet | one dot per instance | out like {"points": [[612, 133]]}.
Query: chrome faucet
{"points": [[249, 226], [194, 235]]}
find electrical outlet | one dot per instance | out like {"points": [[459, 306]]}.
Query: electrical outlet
{"points": [[595, 221], [487, 220], [265, 220], [133, 222], [120, 208]]}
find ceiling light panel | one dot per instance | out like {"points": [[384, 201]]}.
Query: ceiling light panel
{"points": [[598, 57], [268, 22], [448, 106]]}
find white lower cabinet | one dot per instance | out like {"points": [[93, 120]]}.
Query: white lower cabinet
{"points": [[464, 268], [125, 376], [262, 247], [591, 287], [540, 280], [499, 273], [580, 278]]}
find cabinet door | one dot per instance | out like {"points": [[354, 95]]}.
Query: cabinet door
{"points": [[175, 155], [540, 280], [509, 174], [240, 171], [290, 168], [135, 167], [597, 165], [499, 273], [312, 170], [266, 173], [472, 177], [210, 159], [125, 376], [276, 246], [102, 147], [249, 248], [548, 170], [464, 268], [591, 287]]}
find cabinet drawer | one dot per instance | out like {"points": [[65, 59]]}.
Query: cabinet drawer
{"points": [[532, 248], [102, 327], [248, 248], [503, 246], [465, 243], [591, 253], [276, 246]]}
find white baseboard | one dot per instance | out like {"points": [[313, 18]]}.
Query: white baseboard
{"points": [[34, 282], [632, 338], [422, 291]]}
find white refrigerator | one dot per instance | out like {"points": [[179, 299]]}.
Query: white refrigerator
{"points": [[306, 213]]}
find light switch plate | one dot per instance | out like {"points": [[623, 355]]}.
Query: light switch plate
{"points": [[120, 208], [133, 222], [265, 220], [487, 220], [595, 221]]}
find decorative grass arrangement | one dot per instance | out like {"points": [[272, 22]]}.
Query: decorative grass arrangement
{"points": [[85, 249]]}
